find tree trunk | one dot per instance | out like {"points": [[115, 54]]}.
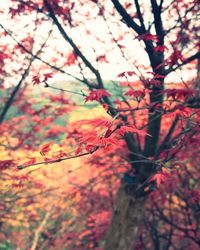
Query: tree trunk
{"points": [[126, 218]]}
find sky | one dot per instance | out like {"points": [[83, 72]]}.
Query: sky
{"points": [[109, 70]]}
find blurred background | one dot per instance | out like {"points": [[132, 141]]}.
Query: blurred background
{"points": [[43, 89]]}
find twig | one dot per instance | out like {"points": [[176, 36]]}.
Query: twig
{"points": [[39, 231], [53, 161]]}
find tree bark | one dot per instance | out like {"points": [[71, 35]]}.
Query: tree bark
{"points": [[126, 218]]}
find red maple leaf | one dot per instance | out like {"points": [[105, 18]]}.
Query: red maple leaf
{"points": [[96, 95], [45, 148], [135, 93], [102, 59], [90, 148], [160, 48], [128, 129], [148, 37], [99, 122], [5, 164], [36, 80], [161, 177], [71, 59], [78, 150], [17, 185], [27, 163], [175, 57], [129, 73], [47, 76], [179, 93]]}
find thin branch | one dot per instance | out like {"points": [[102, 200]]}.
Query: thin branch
{"points": [[186, 61], [17, 87], [39, 231], [168, 136], [20, 167], [43, 61], [64, 90], [127, 18], [139, 30], [157, 21], [70, 157], [161, 5], [80, 54], [73, 45], [14, 92], [140, 15]]}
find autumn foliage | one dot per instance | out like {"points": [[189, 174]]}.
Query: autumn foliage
{"points": [[88, 163]]}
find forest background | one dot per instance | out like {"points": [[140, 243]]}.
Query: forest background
{"points": [[99, 125]]}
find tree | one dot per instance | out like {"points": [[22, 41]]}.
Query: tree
{"points": [[155, 120]]}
